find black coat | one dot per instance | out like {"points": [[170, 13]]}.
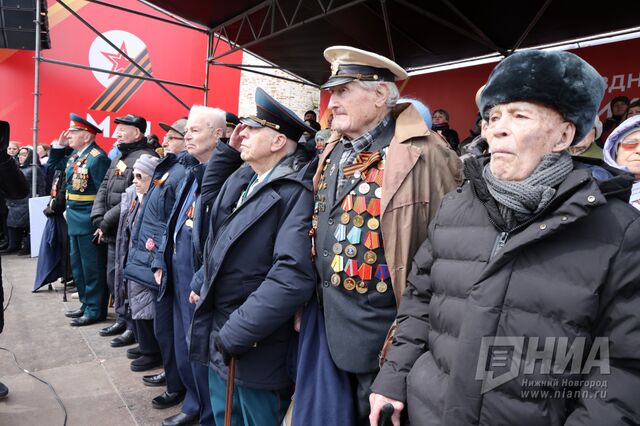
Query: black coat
{"points": [[12, 185], [18, 216], [258, 271], [105, 212], [571, 272]]}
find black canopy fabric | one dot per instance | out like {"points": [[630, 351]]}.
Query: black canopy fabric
{"points": [[293, 33]]}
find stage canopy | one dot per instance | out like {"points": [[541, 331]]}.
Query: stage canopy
{"points": [[293, 33]]}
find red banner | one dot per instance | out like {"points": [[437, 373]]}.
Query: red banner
{"points": [[165, 51]]}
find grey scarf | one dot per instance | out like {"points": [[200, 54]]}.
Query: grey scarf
{"points": [[517, 201]]}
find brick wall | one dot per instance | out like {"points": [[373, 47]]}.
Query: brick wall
{"points": [[297, 97]]}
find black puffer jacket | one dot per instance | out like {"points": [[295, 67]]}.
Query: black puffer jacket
{"points": [[572, 272], [18, 216], [106, 209]]}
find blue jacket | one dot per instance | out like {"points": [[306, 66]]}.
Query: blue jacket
{"points": [[154, 215], [257, 272]]}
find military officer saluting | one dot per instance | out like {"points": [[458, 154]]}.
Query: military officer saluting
{"points": [[84, 169], [379, 181]]}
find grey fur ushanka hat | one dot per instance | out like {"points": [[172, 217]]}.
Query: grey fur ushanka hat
{"points": [[560, 80]]}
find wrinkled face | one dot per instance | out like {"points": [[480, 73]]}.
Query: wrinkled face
{"points": [[173, 142], [127, 134], [584, 144], [141, 180], [439, 118], [520, 134], [77, 138], [13, 149], [22, 155], [354, 109], [200, 138], [635, 110], [256, 143], [629, 152]]}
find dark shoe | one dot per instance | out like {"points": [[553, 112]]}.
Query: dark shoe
{"points": [[9, 250], [82, 321], [125, 339], [4, 391], [146, 362], [180, 419], [113, 330], [154, 380], [24, 252], [134, 353], [74, 314], [168, 399]]}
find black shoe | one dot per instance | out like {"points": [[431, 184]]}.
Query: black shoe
{"points": [[180, 419], [74, 314], [125, 339], [146, 362], [168, 399], [24, 252], [113, 330], [134, 353], [82, 321], [154, 380], [4, 391], [9, 250]]}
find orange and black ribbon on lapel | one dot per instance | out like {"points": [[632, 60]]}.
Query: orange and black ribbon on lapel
{"points": [[364, 160]]}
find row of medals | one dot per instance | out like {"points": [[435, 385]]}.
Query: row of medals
{"points": [[80, 175], [358, 221]]}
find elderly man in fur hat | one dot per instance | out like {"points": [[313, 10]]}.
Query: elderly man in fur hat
{"points": [[521, 306]]}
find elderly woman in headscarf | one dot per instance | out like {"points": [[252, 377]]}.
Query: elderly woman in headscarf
{"points": [[130, 294], [622, 150]]}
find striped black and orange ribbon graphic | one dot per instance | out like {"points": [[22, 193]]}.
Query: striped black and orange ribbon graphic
{"points": [[364, 160], [121, 90]]}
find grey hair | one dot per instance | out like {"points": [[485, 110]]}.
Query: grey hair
{"points": [[215, 117], [394, 93]]}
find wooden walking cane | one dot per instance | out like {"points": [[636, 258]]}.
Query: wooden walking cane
{"points": [[231, 373]]}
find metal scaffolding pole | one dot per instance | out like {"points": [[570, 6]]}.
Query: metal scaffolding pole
{"points": [[206, 64], [36, 99]]}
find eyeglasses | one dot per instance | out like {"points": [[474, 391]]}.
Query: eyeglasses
{"points": [[630, 144], [173, 138], [138, 176]]}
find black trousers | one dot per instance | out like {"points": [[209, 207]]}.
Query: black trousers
{"points": [[146, 339], [361, 389], [123, 315]]}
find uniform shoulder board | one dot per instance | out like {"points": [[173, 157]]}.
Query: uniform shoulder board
{"points": [[94, 152]]}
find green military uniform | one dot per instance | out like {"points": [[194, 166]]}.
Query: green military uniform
{"points": [[84, 173]]}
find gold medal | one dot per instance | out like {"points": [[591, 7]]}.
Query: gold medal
{"points": [[362, 287], [373, 223], [349, 284], [364, 188], [358, 221], [335, 280], [381, 165], [381, 287], [345, 218], [337, 248], [370, 257], [350, 250]]}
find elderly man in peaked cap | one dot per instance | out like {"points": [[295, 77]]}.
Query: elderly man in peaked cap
{"points": [[83, 171], [378, 183], [521, 306], [258, 265]]}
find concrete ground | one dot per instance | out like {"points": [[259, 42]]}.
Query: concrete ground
{"points": [[92, 379]]}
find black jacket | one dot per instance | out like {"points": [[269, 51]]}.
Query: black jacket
{"points": [[18, 216], [571, 273], [12, 185], [106, 208], [257, 272]]}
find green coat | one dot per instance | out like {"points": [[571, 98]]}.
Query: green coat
{"points": [[84, 174]]}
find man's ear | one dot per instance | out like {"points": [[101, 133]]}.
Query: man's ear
{"points": [[278, 142], [382, 94], [568, 132]]}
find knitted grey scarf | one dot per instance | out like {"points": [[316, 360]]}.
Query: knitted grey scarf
{"points": [[517, 201]]}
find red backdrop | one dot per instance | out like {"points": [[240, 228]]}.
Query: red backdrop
{"points": [[172, 53], [455, 90]]}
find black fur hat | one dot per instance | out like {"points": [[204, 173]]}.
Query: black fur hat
{"points": [[560, 80]]}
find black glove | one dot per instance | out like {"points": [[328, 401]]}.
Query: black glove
{"points": [[226, 355], [48, 212]]}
